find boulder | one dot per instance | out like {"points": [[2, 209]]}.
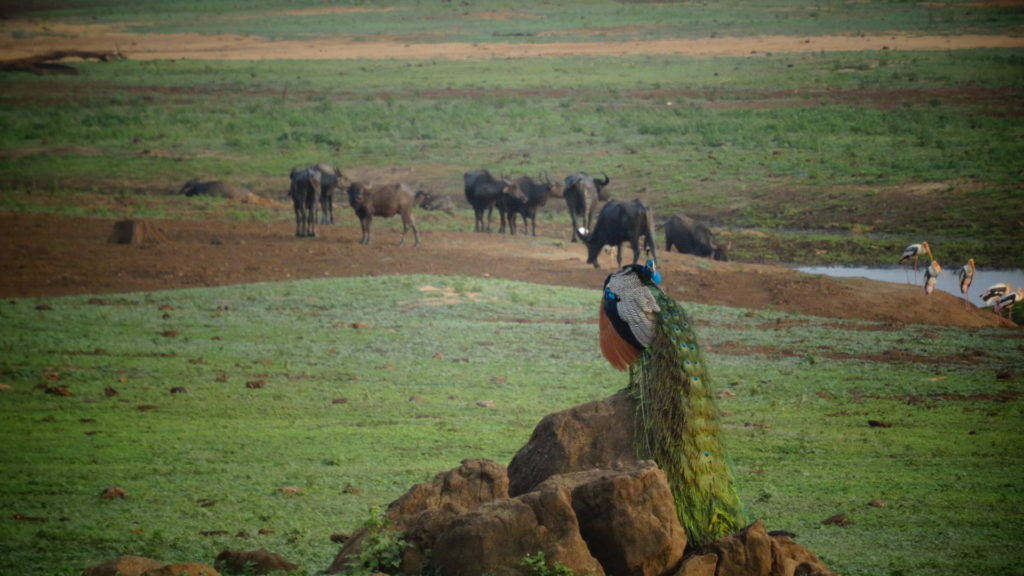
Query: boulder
{"points": [[496, 537], [698, 565], [596, 435], [627, 517], [425, 508], [754, 552]]}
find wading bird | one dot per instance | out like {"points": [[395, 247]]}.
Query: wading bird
{"points": [[966, 275], [915, 251], [677, 420], [1006, 301], [931, 275], [991, 294]]}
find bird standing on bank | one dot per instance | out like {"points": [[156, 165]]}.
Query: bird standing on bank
{"points": [[677, 419], [966, 276], [931, 275], [1006, 301], [915, 251], [992, 294]]}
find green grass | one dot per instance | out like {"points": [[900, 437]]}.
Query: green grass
{"points": [[539, 22], [724, 138], [412, 355]]}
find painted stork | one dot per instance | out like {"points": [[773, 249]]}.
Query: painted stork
{"points": [[966, 275], [931, 275], [992, 294], [1008, 300], [915, 251]]}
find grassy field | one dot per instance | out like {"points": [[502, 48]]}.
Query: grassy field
{"points": [[836, 143], [828, 156], [412, 356]]}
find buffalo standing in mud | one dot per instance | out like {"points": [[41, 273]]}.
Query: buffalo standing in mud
{"points": [[582, 195], [482, 191], [533, 195], [689, 236], [305, 195], [331, 179], [384, 201], [621, 222]]}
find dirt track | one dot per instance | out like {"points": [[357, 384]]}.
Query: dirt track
{"points": [[46, 255], [20, 38]]}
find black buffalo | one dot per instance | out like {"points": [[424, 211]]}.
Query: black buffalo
{"points": [[532, 194], [582, 194], [305, 194], [482, 191], [689, 236], [331, 179], [621, 222]]}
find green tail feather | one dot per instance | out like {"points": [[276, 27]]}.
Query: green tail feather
{"points": [[678, 427]]}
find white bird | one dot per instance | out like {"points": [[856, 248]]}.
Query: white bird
{"points": [[931, 275], [915, 251], [991, 294], [1008, 300], [966, 275]]}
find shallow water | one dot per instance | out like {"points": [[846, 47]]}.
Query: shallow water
{"points": [[949, 281]]}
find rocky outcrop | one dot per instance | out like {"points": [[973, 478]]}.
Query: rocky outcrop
{"points": [[576, 493], [627, 517], [596, 435], [495, 538]]}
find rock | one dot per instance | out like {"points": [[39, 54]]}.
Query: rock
{"points": [[752, 552], [425, 507], [792, 559], [123, 566], [586, 437], [628, 518], [136, 233], [745, 553], [113, 493], [576, 493], [698, 565], [260, 561], [186, 569], [494, 538]]}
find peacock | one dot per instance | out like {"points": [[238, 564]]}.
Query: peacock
{"points": [[644, 331]]}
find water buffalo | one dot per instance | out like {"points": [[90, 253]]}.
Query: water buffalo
{"points": [[582, 194], [482, 191], [331, 179], [305, 195], [384, 201], [621, 222], [534, 194], [689, 236]]}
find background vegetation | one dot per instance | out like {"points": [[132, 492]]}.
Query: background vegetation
{"points": [[870, 150]]}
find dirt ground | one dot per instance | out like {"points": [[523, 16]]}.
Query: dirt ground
{"points": [[23, 37], [43, 255], [46, 255]]}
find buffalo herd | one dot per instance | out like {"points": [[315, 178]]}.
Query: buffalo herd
{"points": [[597, 220]]}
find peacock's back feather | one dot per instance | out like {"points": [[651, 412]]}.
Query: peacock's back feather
{"points": [[678, 426]]}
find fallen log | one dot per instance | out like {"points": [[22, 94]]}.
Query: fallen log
{"points": [[50, 63]]}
